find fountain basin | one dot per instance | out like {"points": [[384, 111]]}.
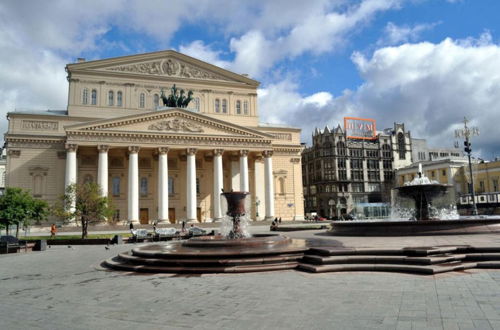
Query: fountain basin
{"points": [[213, 254], [421, 227]]}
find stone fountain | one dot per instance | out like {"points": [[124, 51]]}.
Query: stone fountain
{"points": [[235, 252], [423, 192]]}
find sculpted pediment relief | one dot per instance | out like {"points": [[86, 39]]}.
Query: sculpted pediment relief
{"points": [[169, 67], [175, 121]]}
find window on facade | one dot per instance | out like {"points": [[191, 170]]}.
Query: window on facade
{"points": [[171, 185], [85, 96], [245, 107], [142, 100], [94, 97], [115, 186], [143, 187], [37, 185], [356, 152], [196, 104], [224, 106], [494, 183], [111, 98], [373, 187], [238, 107], [197, 185], [356, 163], [357, 175], [372, 153], [372, 164], [481, 186], [358, 187], [282, 185], [341, 150], [387, 164], [443, 172], [341, 162], [401, 146], [217, 105], [156, 100], [374, 175], [386, 151], [119, 99], [388, 176], [342, 175]]}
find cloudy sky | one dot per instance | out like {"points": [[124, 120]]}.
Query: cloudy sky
{"points": [[427, 63]]}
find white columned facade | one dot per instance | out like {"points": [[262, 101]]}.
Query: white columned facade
{"points": [[235, 174], [269, 184], [191, 185], [260, 194], [71, 170], [218, 184], [102, 169], [133, 184], [244, 186], [163, 185]]}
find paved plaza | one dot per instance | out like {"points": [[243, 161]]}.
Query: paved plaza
{"points": [[65, 288]]}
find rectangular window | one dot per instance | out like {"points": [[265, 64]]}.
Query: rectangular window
{"points": [[116, 186], [144, 187], [217, 105], [170, 185], [224, 106]]}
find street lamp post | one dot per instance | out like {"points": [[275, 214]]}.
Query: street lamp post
{"points": [[467, 133]]}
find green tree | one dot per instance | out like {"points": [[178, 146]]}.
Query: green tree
{"points": [[84, 203], [18, 207]]}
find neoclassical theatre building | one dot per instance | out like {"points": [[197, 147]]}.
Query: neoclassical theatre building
{"points": [[157, 163]]}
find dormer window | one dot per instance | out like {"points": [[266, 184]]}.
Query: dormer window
{"points": [[85, 96], [142, 100], [238, 107], [119, 99], [94, 97], [111, 98], [217, 105]]}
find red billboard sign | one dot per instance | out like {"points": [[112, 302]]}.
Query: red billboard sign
{"points": [[360, 128]]}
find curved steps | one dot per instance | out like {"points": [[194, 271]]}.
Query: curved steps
{"points": [[420, 260]]}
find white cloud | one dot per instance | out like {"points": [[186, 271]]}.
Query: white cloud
{"points": [[394, 34]]}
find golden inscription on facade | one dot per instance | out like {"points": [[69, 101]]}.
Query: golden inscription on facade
{"points": [[40, 125], [282, 136], [176, 125]]}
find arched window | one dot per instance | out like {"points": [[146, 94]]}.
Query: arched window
{"points": [[156, 100], [238, 107], [142, 100], [171, 190], [88, 179], [217, 105], [144, 186], [85, 96], [224, 106], [94, 97], [401, 146], [115, 182], [245, 107], [111, 98], [119, 98]]}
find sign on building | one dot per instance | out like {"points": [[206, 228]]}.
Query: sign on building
{"points": [[360, 128]]}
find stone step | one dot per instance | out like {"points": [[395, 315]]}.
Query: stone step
{"points": [[377, 259], [116, 264], [427, 270], [482, 256], [407, 251], [127, 257], [488, 264]]}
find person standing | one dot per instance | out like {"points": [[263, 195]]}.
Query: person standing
{"points": [[53, 230]]}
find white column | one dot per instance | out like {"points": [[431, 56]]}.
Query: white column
{"points": [[191, 185], [163, 185], [244, 186], [260, 195], [269, 184], [71, 164], [133, 184], [235, 174], [218, 183], [102, 169]]}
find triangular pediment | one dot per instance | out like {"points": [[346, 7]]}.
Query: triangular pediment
{"points": [[171, 121], [169, 64]]}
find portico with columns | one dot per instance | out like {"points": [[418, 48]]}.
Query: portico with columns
{"points": [[159, 164]]}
